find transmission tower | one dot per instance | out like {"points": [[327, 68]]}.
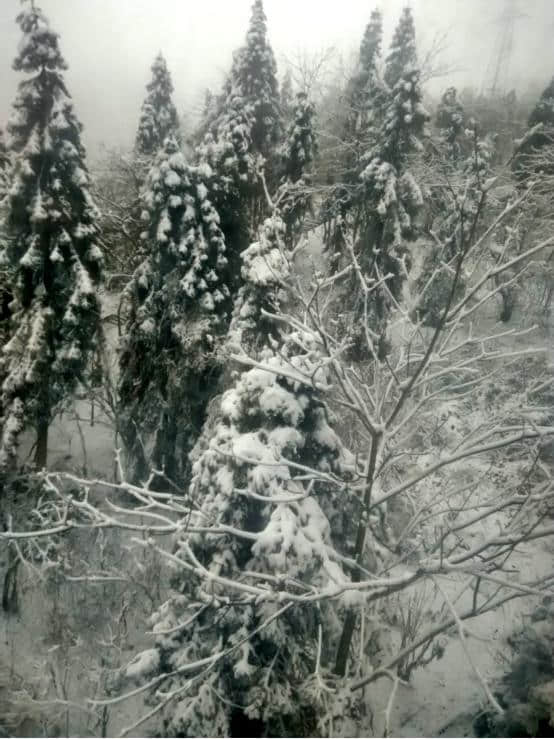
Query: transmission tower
{"points": [[497, 76]]}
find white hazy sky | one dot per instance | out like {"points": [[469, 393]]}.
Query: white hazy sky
{"points": [[109, 45]]}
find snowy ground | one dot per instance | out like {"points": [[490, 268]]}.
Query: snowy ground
{"points": [[441, 699]]}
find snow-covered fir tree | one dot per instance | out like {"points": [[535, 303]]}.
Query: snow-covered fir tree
{"points": [[235, 182], [365, 83], [540, 135], [365, 96], [246, 128], [393, 199], [52, 256], [450, 119], [158, 116], [287, 98], [254, 78], [210, 111], [300, 145], [299, 151], [543, 112], [403, 51], [179, 306], [265, 269], [259, 523]]}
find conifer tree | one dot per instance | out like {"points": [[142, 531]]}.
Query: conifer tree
{"points": [[254, 77], [179, 306], [402, 55], [539, 136], [264, 270], [450, 122], [543, 111], [287, 98], [393, 199], [245, 481], [52, 257], [247, 127], [365, 96], [299, 151], [365, 82], [158, 117]]}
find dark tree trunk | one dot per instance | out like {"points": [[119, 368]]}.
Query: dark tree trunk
{"points": [[41, 451]]}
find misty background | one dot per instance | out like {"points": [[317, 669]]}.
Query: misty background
{"points": [[109, 47]]}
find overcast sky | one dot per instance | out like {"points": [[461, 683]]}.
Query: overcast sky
{"points": [[109, 45]]}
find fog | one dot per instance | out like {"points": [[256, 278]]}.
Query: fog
{"points": [[109, 46]]}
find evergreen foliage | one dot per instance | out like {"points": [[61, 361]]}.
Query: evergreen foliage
{"points": [[526, 691], [393, 200], [52, 256], [402, 56], [254, 78], [365, 95], [365, 83], [299, 151], [244, 134], [450, 122], [158, 117], [287, 98], [544, 109], [179, 305], [540, 135], [264, 271], [264, 682]]}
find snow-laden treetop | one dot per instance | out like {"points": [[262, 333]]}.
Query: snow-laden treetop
{"points": [[158, 118], [403, 53]]}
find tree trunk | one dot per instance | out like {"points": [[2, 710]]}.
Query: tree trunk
{"points": [[343, 650], [41, 451]]}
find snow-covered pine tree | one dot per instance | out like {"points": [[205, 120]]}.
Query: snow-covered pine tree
{"points": [[52, 257], [449, 120], [365, 96], [365, 83], [254, 77], [299, 151], [543, 111], [264, 525], [158, 116], [265, 269], [179, 306], [540, 134], [287, 98], [403, 51], [393, 200], [210, 111], [300, 145], [247, 127]]}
